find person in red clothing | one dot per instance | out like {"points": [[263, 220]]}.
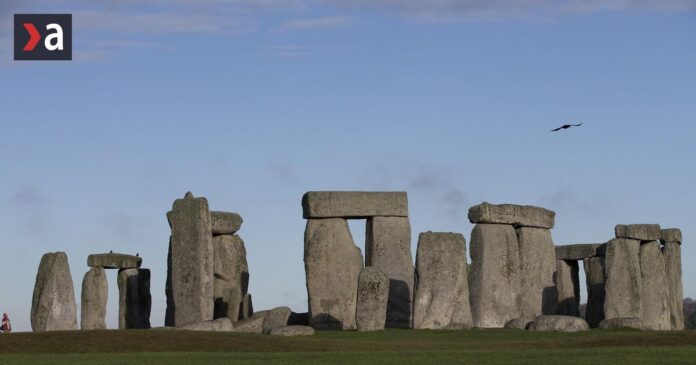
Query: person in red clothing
{"points": [[6, 327]]}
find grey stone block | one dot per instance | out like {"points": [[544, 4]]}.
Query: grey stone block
{"points": [[134, 299], [276, 317], [373, 294], [225, 223], [516, 215], [253, 324], [654, 295], [641, 232], [671, 235], [673, 269], [53, 305], [595, 279], [354, 204], [518, 323], [231, 276], [624, 280], [537, 272], [292, 331], [580, 251], [95, 294], [114, 261], [621, 323], [558, 324], [568, 284], [216, 325]]}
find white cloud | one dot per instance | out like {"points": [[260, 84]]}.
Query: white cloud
{"points": [[321, 22]]}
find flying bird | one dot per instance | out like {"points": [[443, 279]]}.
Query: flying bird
{"points": [[566, 126]]}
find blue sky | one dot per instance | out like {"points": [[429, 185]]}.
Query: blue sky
{"points": [[253, 103]]}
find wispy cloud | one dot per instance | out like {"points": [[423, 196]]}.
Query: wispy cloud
{"points": [[31, 204], [321, 22], [295, 51]]}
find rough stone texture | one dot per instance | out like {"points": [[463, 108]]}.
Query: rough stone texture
{"points": [[134, 299], [595, 278], [192, 260], [641, 232], [298, 319], [671, 235], [673, 269], [225, 223], [568, 284], [558, 324], [388, 248], [292, 331], [354, 204], [518, 323], [95, 294], [114, 261], [247, 307], [253, 324], [276, 317], [495, 275], [537, 272], [580, 251], [231, 275], [169, 312], [216, 325], [442, 290], [373, 294], [332, 265], [516, 215], [655, 314], [624, 281], [621, 323], [53, 305]]}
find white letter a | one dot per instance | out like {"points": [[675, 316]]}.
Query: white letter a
{"points": [[58, 36]]}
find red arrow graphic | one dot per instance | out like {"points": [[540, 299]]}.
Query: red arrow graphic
{"points": [[34, 35]]}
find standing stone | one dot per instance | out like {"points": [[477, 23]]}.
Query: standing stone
{"points": [[373, 294], [624, 279], [516, 215], [247, 307], [192, 260], [332, 265], [595, 278], [231, 275], [442, 289], [568, 284], [495, 275], [354, 204], [171, 309], [655, 314], [95, 294], [537, 272], [134, 299], [673, 268], [53, 305], [388, 248]]}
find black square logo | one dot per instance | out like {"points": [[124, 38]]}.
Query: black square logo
{"points": [[43, 37]]}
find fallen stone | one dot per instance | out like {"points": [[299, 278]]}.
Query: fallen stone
{"points": [[495, 275], [568, 284], [624, 280], [518, 323], [442, 290], [134, 299], [298, 319], [53, 305], [216, 325], [332, 265], [516, 215], [537, 272], [641, 232], [247, 307], [388, 248], [671, 235], [292, 331], [254, 324], [114, 261], [654, 295], [373, 293], [595, 279], [276, 317], [580, 251], [231, 273], [95, 294], [225, 223], [621, 323], [558, 324], [673, 269], [354, 204]]}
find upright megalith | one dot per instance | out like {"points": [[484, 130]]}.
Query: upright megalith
{"points": [[134, 299], [95, 294], [332, 265], [191, 260], [373, 294], [568, 284], [671, 250], [537, 272], [494, 281], [354, 204], [388, 248], [624, 280], [442, 290], [596, 280], [53, 305], [654, 295], [231, 270]]}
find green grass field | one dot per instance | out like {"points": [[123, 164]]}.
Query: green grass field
{"points": [[388, 347]]}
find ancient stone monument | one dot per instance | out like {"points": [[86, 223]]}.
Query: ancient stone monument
{"points": [[53, 305], [373, 294], [95, 293]]}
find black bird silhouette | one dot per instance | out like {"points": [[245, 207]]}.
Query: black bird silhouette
{"points": [[566, 126], [112, 251], [137, 255]]}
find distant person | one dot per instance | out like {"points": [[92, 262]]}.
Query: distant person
{"points": [[6, 327]]}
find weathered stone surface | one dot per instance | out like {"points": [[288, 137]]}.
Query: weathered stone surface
{"points": [[231, 275], [247, 307], [495, 275], [373, 294], [253, 324], [568, 284], [442, 290], [621, 323], [225, 223], [192, 260], [624, 281], [95, 294], [216, 325], [388, 248], [595, 278], [537, 272], [518, 323], [53, 305], [671, 235], [673, 269], [169, 312], [654, 293], [298, 319], [354, 204], [580, 251], [276, 317], [134, 299], [516, 215], [641, 232], [114, 261], [292, 331], [558, 324], [332, 265]]}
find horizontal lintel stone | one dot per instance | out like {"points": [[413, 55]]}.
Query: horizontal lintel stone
{"points": [[642, 232], [354, 204], [516, 215], [580, 251], [114, 261]]}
